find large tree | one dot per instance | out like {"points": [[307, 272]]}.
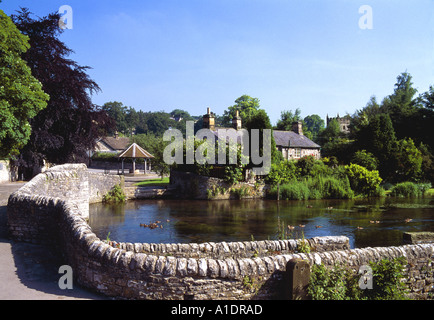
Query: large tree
{"points": [[287, 117], [245, 105], [21, 94], [71, 124], [313, 124]]}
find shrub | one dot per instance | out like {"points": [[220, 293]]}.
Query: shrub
{"points": [[362, 180], [387, 276], [330, 187], [309, 166], [282, 172], [340, 283], [233, 174], [320, 187], [328, 284], [424, 187], [409, 189], [365, 159], [115, 195], [295, 190]]}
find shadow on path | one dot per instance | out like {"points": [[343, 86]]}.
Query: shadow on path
{"points": [[30, 271]]}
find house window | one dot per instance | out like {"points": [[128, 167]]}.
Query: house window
{"points": [[297, 153]]}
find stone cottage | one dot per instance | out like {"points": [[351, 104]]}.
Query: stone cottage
{"points": [[293, 144]]}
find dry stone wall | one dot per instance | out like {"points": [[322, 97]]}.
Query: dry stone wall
{"points": [[237, 270]]}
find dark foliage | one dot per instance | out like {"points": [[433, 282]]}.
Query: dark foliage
{"points": [[71, 123]]}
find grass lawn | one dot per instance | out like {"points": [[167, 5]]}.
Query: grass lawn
{"points": [[154, 182]]}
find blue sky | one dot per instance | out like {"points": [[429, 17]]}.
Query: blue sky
{"points": [[193, 54]]}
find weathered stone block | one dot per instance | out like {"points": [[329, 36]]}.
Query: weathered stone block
{"points": [[297, 279]]}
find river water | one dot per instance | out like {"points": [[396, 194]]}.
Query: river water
{"points": [[367, 223]]}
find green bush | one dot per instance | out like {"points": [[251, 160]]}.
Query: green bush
{"points": [[314, 188], [330, 187], [387, 276], [309, 166], [424, 187], [365, 159], [362, 180], [295, 190], [409, 189], [115, 195], [282, 172], [342, 283], [233, 174]]}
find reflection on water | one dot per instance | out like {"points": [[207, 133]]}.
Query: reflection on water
{"points": [[373, 222]]}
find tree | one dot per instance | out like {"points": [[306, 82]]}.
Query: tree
{"points": [[365, 159], [118, 112], [246, 106], [409, 161], [287, 118], [332, 131], [71, 124], [21, 94], [427, 98], [181, 114], [260, 120], [159, 122], [402, 105], [313, 124]]}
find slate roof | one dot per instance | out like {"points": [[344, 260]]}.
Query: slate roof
{"points": [[290, 139], [120, 143]]}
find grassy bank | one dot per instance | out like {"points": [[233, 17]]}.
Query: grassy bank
{"points": [[154, 182]]}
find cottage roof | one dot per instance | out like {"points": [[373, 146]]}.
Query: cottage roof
{"points": [[119, 143], [229, 134], [293, 140], [135, 151]]}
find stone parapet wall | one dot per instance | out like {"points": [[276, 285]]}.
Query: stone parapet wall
{"points": [[223, 250], [29, 218], [100, 184], [237, 270]]}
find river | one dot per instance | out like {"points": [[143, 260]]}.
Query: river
{"points": [[367, 223]]}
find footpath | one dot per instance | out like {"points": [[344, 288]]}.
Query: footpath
{"points": [[29, 271]]}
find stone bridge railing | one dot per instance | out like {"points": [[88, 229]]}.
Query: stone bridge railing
{"points": [[49, 209]]}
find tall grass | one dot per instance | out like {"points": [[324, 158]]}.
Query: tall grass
{"points": [[409, 189], [320, 187]]}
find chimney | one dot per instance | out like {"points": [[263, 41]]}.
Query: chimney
{"points": [[236, 121], [297, 127], [208, 120]]}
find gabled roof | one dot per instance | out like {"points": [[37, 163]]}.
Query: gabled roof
{"points": [[113, 143], [135, 151], [291, 139], [288, 139]]}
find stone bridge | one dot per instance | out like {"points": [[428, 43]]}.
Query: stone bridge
{"points": [[53, 208]]}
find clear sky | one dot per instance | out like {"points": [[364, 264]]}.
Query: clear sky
{"points": [[192, 54]]}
